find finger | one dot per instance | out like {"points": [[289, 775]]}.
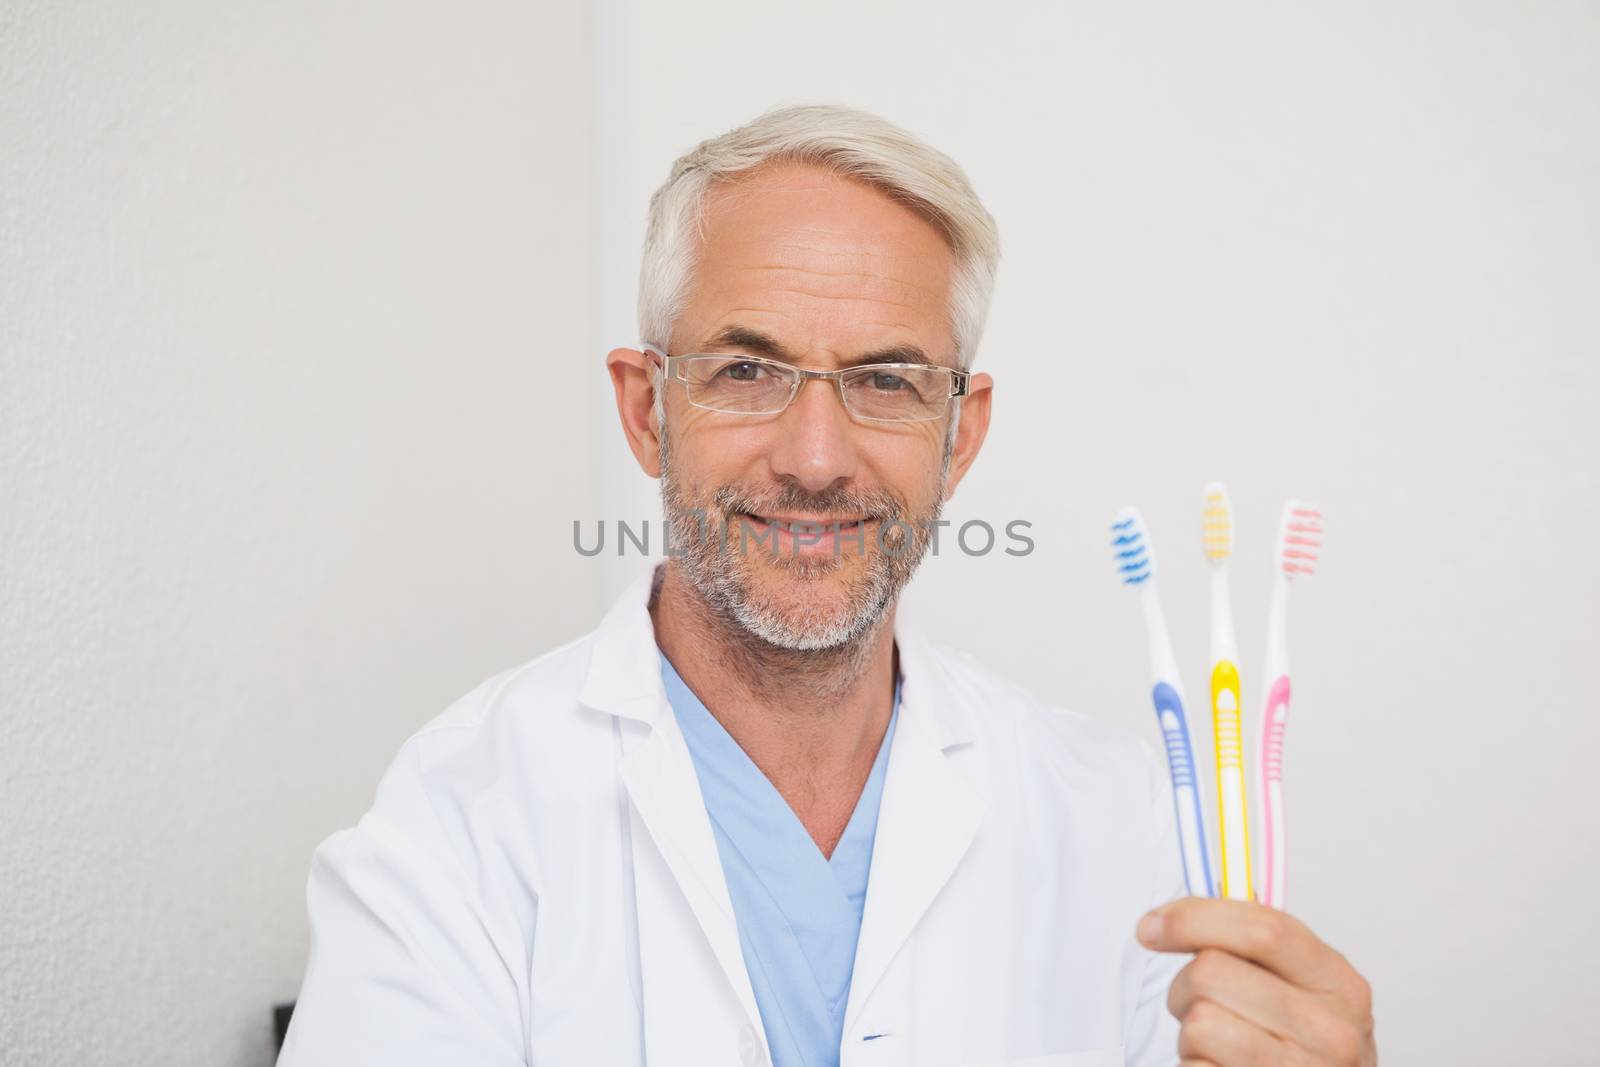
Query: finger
{"points": [[1211, 1032], [1253, 993], [1274, 939]]}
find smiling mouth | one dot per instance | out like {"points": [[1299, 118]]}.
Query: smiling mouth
{"points": [[799, 525]]}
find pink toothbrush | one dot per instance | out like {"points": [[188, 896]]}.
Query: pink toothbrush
{"points": [[1299, 545]]}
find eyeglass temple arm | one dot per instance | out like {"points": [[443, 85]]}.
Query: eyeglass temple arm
{"points": [[658, 358]]}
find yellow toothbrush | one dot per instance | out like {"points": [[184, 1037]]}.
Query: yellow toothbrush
{"points": [[1216, 537]]}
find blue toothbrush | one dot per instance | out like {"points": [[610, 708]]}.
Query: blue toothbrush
{"points": [[1136, 566]]}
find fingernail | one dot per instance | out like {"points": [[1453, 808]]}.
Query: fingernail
{"points": [[1150, 928]]}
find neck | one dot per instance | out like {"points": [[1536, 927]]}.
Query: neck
{"points": [[812, 720]]}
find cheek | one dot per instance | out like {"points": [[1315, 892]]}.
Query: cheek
{"points": [[708, 452], [909, 466]]}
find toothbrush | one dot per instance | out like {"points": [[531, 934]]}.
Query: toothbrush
{"points": [[1136, 564], [1299, 544], [1216, 533]]}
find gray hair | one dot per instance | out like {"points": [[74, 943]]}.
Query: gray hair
{"points": [[851, 143]]}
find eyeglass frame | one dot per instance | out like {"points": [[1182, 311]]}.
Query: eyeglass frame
{"points": [[959, 381]]}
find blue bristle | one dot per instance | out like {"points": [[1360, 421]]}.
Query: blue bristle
{"points": [[1132, 557]]}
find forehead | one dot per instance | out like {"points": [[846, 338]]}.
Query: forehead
{"points": [[824, 263]]}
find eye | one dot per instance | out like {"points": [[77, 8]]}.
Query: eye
{"points": [[885, 382], [743, 371]]}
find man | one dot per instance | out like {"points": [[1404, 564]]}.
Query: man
{"points": [[756, 817]]}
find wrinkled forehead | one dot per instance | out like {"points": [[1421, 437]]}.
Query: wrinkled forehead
{"points": [[824, 261]]}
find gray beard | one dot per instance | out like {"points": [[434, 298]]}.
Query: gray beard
{"points": [[720, 568]]}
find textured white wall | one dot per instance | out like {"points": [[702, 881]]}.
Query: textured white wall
{"points": [[294, 306], [1347, 251]]}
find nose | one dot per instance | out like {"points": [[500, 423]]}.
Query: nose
{"points": [[816, 443]]}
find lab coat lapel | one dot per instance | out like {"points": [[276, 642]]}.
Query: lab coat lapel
{"points": [[927, 818], [677, 844], [667, 802]]}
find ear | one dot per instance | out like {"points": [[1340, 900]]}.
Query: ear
{"points": [[633, 377], [971, 430]]}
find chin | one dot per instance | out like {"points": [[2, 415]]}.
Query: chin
{"points": [[805, 633], [803, 604]]}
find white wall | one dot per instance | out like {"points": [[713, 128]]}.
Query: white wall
{"points": [[294, 306], [1345, 251], [302, 389]]}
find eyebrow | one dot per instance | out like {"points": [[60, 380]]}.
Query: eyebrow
{"points": [[761, 344]]}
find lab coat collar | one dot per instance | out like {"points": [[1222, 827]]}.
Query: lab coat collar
{"points": [[624, 672]]}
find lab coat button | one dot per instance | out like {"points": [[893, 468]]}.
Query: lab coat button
{"points": [[749, 1047]]}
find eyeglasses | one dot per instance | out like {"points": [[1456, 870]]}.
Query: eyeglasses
{"points": [[754, 385]]}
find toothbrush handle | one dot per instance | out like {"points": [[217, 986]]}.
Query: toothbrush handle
{"points": [[1232, 815], [1274, 717], [1185, 790]]}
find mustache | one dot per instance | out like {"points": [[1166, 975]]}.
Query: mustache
{"points": [[733, 500]]}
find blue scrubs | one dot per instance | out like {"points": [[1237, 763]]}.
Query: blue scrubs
{"points": [[799, 915]]}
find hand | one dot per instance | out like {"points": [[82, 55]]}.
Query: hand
{"points": [[1262, 988]]}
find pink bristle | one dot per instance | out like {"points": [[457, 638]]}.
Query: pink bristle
{"points": [[1300, 542]]}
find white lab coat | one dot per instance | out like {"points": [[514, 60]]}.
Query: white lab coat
{"points": [[537, 883]]}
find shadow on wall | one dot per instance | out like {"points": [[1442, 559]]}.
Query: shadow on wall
{"points": [[280, 1022]]}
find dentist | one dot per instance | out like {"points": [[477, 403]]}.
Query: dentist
{"points": [[756, 817]]}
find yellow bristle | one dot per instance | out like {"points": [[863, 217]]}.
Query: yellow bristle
{"points": [[1216, 523]]}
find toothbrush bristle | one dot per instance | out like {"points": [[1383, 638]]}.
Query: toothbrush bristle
{"points": [[1216, 523], [1130, 548], [1299, 538]]}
